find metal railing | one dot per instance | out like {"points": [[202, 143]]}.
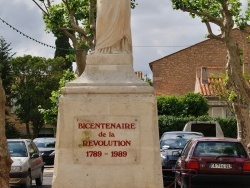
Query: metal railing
{"points": [[187, 172]]}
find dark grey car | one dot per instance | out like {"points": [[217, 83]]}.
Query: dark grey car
{"points": [[171, 144], [46, 146]]}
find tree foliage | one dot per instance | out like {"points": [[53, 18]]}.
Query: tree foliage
{"points": [[36, 78], [148, 80], [226, 14], [63, 49], [195, 104], [215, 12], [11, 131], [5, 162], [76, 20], [7, 79], [191, 104], [50, 114], [5, 68], [169, 105]]}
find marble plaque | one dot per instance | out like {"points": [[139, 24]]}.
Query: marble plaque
{"points": [[106, 140]]}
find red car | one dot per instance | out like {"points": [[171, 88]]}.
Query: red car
{"points": [[213, 162]]}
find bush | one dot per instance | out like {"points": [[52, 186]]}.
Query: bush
{"points": [[173, 123], [169, 105], [194, 104], [228, 126], [191, 104]]}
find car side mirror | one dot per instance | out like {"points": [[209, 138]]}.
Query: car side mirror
{"points": [[165, 147], [176, 153], [35, 155]]}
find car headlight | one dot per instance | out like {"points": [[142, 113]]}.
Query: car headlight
{"points": [[163, 156], [16, 169], [52, 154]]}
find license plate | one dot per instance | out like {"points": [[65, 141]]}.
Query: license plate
{"points": [[220, 166]]}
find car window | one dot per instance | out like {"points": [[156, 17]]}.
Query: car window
{"points": [[33, 145], [187, 148], [177, 143], [218, 148], [45, 143], [32, 149], [176, 140], [208, 129], [17, 149], [181, 135]]}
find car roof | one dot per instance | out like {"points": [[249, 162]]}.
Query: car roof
{"points": [[182, 132], [45, 138], [216, 139], [18, 139]]}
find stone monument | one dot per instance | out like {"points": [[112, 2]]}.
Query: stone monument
{"points": [[107, 132]]}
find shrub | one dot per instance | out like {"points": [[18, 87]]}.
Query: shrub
{"points": [[173, 123], [191, 104]]}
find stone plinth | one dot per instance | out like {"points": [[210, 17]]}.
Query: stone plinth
{"points": [[107, 133]]}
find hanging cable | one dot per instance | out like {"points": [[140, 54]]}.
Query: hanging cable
{"points": [[20, 32]]}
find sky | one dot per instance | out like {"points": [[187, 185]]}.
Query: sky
{"points": [[157, 31]]}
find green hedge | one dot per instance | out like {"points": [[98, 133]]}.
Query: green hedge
{"points": [[172, 123]]}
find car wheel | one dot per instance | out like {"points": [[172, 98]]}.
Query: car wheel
{"points": [[39, 180], [28, 182]]}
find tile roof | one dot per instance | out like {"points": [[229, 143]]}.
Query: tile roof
{"points": [[208, 89], [210, 83]]}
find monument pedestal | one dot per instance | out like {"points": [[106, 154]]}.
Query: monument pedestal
{"points": [[107, 132]]}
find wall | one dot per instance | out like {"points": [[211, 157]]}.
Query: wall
{"points": [[175, 74]]}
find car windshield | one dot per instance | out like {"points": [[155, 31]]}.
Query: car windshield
{"points": [[178, 143], [219, 149], [45, 143], [177, 140], [17, 149]]}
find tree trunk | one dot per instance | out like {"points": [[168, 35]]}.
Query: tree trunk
{"points": [[5, 161], [243, 123], [28, 130], [238, 84], [80, 57], [80, 52], [36, 129]]}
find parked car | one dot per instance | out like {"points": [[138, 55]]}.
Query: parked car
{"points": [[27, 163], [46, 146], [213, 162], [171, 143]]}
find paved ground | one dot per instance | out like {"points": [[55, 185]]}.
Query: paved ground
{"points": [[49, 169], [47, 177]]}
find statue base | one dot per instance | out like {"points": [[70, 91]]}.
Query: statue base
{"points": [[107, 132]]}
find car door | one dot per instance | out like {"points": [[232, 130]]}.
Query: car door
{"points": [[35, 162], [180, 164]]}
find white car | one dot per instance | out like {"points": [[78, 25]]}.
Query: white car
{"points": [[208, 128], [27, 163]]}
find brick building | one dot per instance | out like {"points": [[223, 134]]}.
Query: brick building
{"points": [[190, 69], [175, 74]]}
